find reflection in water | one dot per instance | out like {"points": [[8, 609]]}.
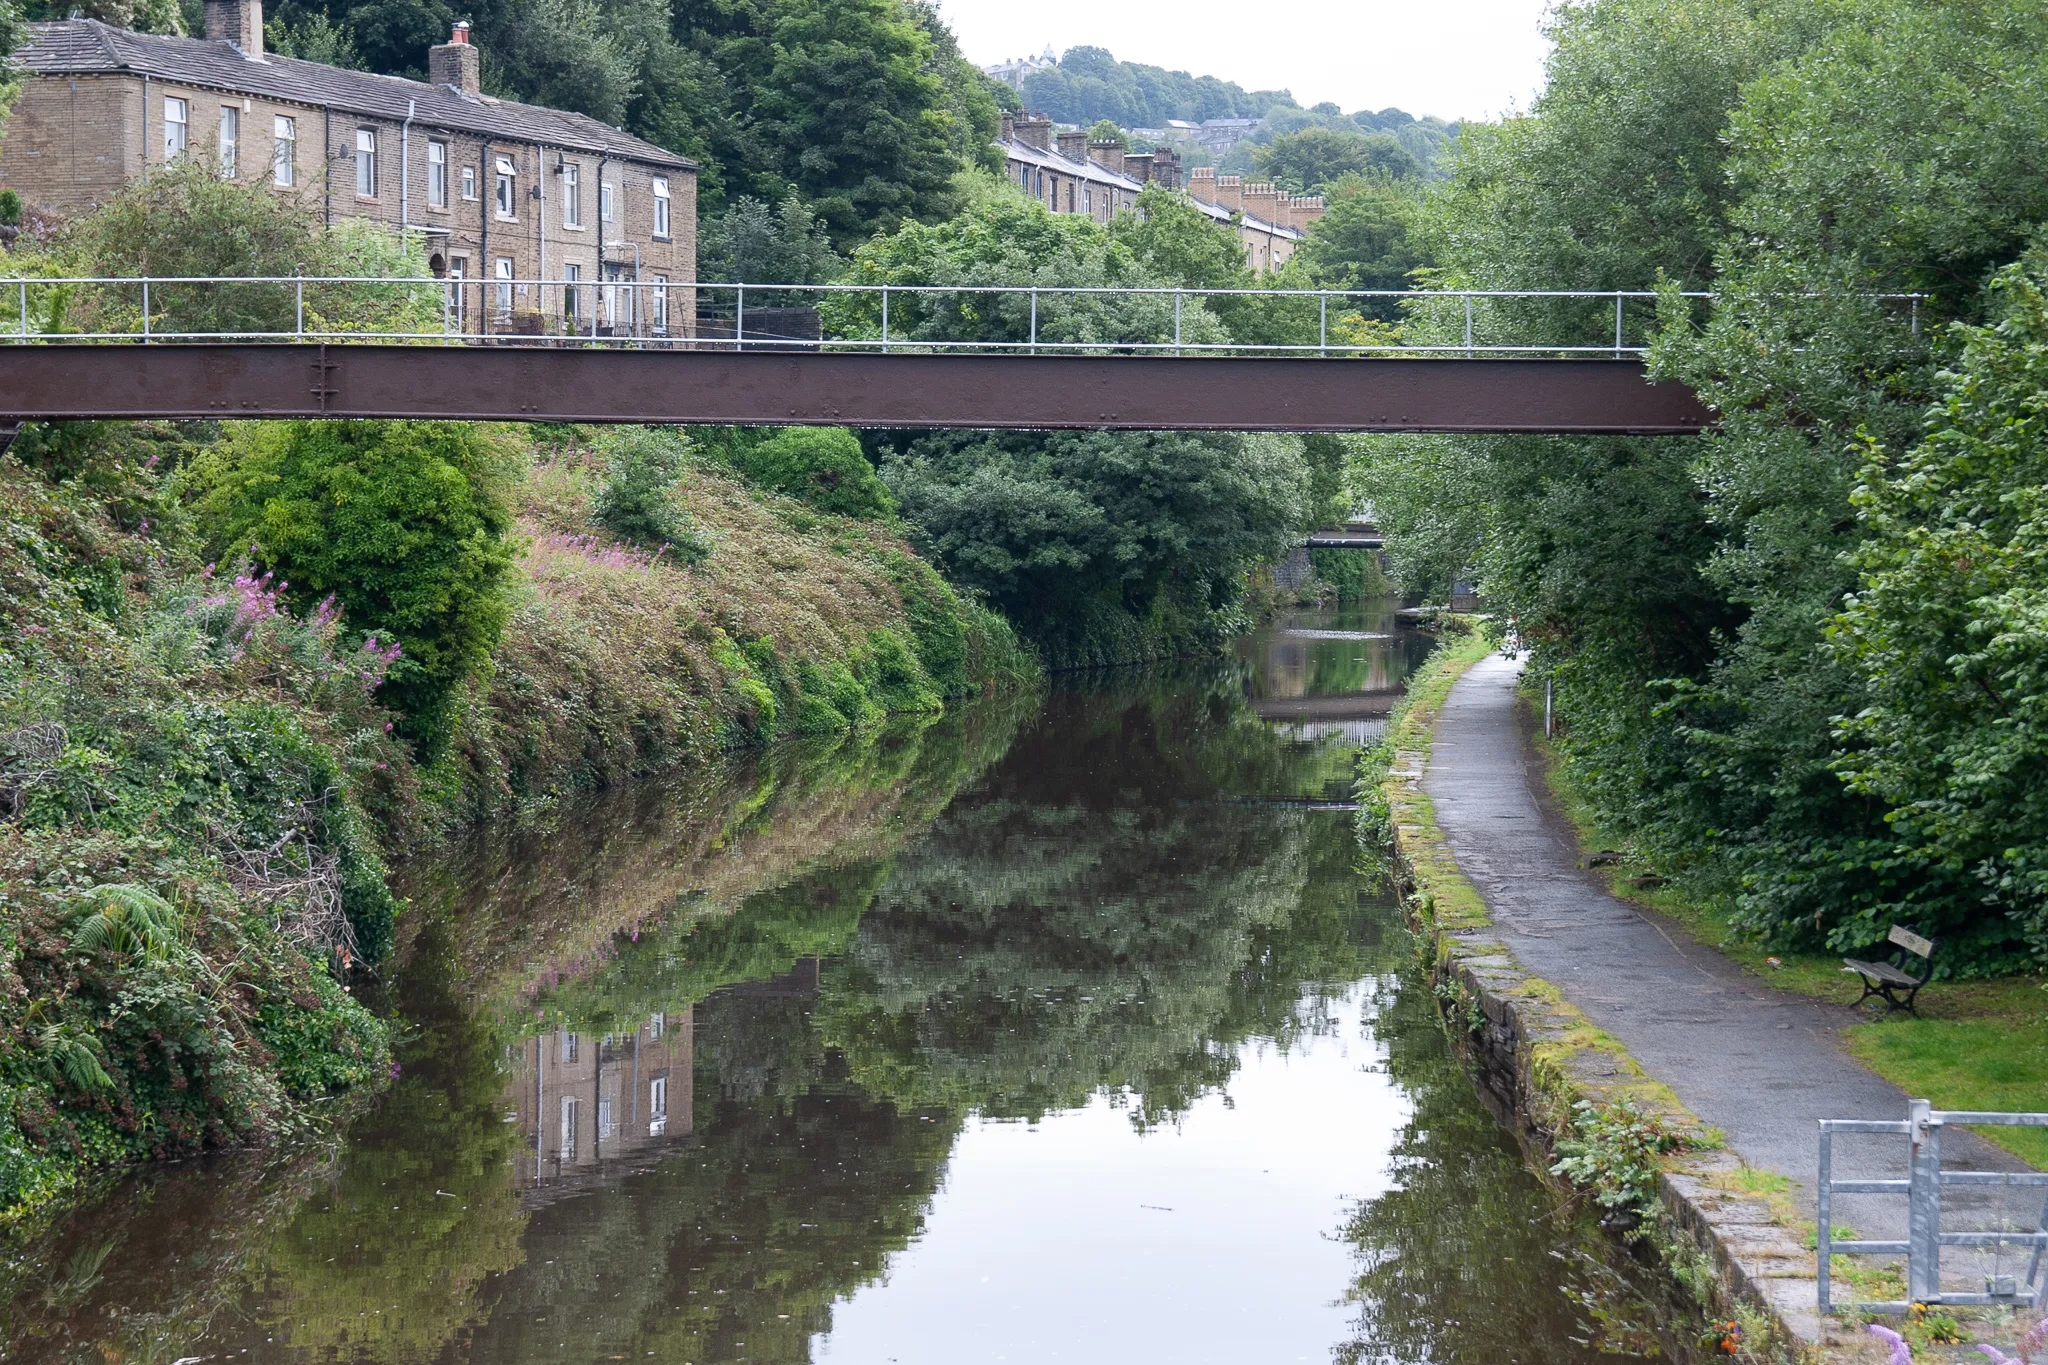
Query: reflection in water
{"points": [[1068, 1035], [1333, 673]]}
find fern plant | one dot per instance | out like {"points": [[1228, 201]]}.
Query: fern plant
{"points": [[64, 1054], [128, 920]]}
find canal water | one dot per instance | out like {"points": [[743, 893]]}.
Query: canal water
{"points": [[1063, 1028]]}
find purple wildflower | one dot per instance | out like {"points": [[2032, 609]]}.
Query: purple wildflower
{"points": [[1902, 1354]]}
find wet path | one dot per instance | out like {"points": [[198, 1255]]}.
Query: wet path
{"points": [[1762, 1065], [1056, 1030]]}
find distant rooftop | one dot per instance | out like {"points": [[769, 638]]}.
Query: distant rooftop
{"points": [[87, 46]]}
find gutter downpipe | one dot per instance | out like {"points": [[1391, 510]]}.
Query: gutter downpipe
{"points": [[604, 157], [540, 227], [327, 163], [145, 122], [484, 167], [405, 166]]}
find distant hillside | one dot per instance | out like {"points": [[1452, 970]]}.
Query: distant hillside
{"points": [[1090, 84]]}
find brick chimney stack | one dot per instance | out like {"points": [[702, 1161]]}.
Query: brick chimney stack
{"points": [[1074, 146], [1307, 209], [1263, 201], [236, 21], [1006, 131], [1202, 184], [1138, 166], [1107, 153], [455, 62], [1166, 167], [1230, 193], [1033, 130]]}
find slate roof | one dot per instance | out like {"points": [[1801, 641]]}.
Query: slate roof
{"points": [[1080, 170], [87, 46], [1014, 150]]}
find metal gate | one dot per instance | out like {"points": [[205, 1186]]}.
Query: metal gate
{"points": [[1922, 1189]]}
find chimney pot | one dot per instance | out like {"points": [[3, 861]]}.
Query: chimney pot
{"points": [[457, 62], [236, 21]]}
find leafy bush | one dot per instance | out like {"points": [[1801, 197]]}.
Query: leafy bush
{"points": [[1612, 1153], [185, 219], [404, 522], [823, 466], [637, 501]]}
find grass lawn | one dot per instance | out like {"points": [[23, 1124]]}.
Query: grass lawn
{"points": [[1977, 1045]]}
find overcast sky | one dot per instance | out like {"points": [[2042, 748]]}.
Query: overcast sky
{"points": [[1451, 58]]}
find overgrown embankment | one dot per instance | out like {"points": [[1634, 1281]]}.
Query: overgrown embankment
{"points": [[240, 666]]}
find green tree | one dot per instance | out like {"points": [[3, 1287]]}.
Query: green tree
{"points": [[1315, 157], [1946, 632], [1067, 529], [1105, 130], [751, 243], [185, 219], [823, 466], [404, 522]]}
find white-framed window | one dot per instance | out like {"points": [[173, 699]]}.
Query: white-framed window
{"points": [[458, 290], [657, 1106], [177, 120], [437, 174], [572, 195], [469, 182], [570, 1106], [502, 268], [657, 1022], [660, 207], [605, 203], [571, 275], [657, 317], [1088, 201], [508, 185], [230, 138], [604, 1117], [284, 151], [571, 1045], [366, 163]]}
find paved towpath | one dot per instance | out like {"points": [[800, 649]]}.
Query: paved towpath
{"points": [[1760, 1064]]}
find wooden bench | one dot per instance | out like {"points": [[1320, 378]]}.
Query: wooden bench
{"points": [[1889, 977]]}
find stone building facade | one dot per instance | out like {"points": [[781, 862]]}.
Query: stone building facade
{"points": [[590, 1106], [543, 215], [1068, 173]]}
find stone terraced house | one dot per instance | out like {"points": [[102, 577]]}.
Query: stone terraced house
{"points": [[1068, 173], [537, 210]]}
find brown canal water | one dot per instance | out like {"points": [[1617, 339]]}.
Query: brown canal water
{"points": [[1056, 1029]]}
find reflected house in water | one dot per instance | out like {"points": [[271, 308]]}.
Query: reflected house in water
{"points": [[591, 1106]]}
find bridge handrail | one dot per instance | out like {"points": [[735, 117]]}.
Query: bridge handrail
{"points": [[644, 297]]}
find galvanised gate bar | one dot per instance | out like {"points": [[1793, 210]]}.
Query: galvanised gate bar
{"points": [[913, 356]]}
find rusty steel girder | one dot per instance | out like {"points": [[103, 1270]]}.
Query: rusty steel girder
{"points": [[549, 384]]}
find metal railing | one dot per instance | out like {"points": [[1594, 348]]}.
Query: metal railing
{"points": [[1922, 1189], [987, 318]]}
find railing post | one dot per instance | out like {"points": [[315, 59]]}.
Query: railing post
{"points": [[739, 319], [1824, 1193], [1549, 705], [145, 312], [1914, 314], [1176, 320], [885, 319], [24, 308], [299, 308], [1923, 1218], [1323, 326], [1617, 324], [1468, 326], [1034, 319]]}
